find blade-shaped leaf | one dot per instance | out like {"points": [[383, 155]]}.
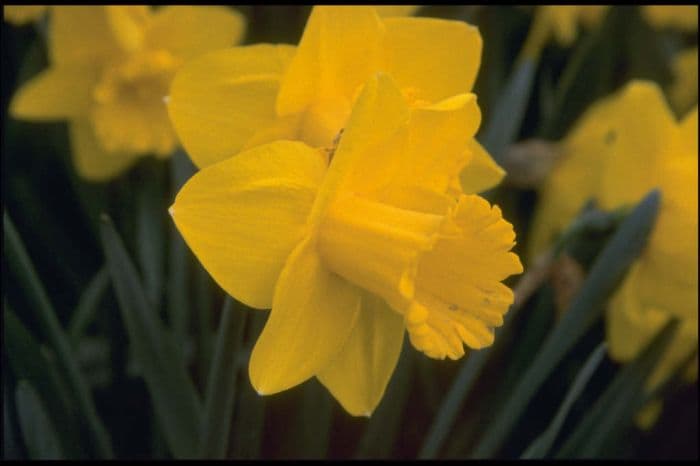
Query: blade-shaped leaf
{"points": [[178, 293], [507, 116], [615, 409], [249, 413], [542, 444], [221, 386], [38, 430], [19, 263], [174, 398], [150, 232], [384, 425], [452, 404], [607, 272], [87, 306]]}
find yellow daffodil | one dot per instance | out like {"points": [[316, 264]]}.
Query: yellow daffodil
{"points": [[387, 11], [238, 98], [23, 14], [561, 22], [111, 68], [684, 17], [683, 93], [621, 148], [350, 253]]}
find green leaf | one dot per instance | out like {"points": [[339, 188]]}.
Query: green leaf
{"points": [[385, 424], [607, 272], [174, 398], [10, 443], [507, 115], [452, 404], [32, 362], [615, 409], [315, 414], [221, 386], [20, 265], [150, 232], [572, 71], [203, 300], [178, 296], [37, 428], [87, 306], [249, 413], [541, 445]]}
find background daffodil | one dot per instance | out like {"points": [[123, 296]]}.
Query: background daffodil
{"points": [[683, 92], [23, 14], [684, 17], [238, 98], [351, 254], [621, 148], [110, 70], [562, 23]]}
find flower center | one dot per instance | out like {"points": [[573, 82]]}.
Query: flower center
{"points": [[129, 112], [441, 272], [144, 76]]}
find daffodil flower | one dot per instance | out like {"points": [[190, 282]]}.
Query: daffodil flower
{"points": [[22, 14], [683, 92], [562, 23], [621, 148], [683, 17], [111, 68], [349, 255], [238, 98]]}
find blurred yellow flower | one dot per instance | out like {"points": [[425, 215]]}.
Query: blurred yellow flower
{"points": [[683, 17], [238, 98], [23, 14], [562, 22], [387, 11], [351, 253], [620, 149], [111, 67], [683, 93]]}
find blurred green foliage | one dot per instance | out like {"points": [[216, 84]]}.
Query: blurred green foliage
{"points": [[118, 343]]}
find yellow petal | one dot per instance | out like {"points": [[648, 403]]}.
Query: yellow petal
{"points": [[689, 131], [610, 155], [434, 57], [433, 162], [219, 101], [128, 24], [648, 415], [337, 53], [358, 376], [387, 11], [139, 127], [243, 216], [90, 159], [631, 325], [683, 92], [482, 172], [669, 267], [59, 92], [378, 115], [459, 297], [22, 14], [637, 144], [415, 158], [81, 33], [189, 31], [679, 16], [313, 313]]}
